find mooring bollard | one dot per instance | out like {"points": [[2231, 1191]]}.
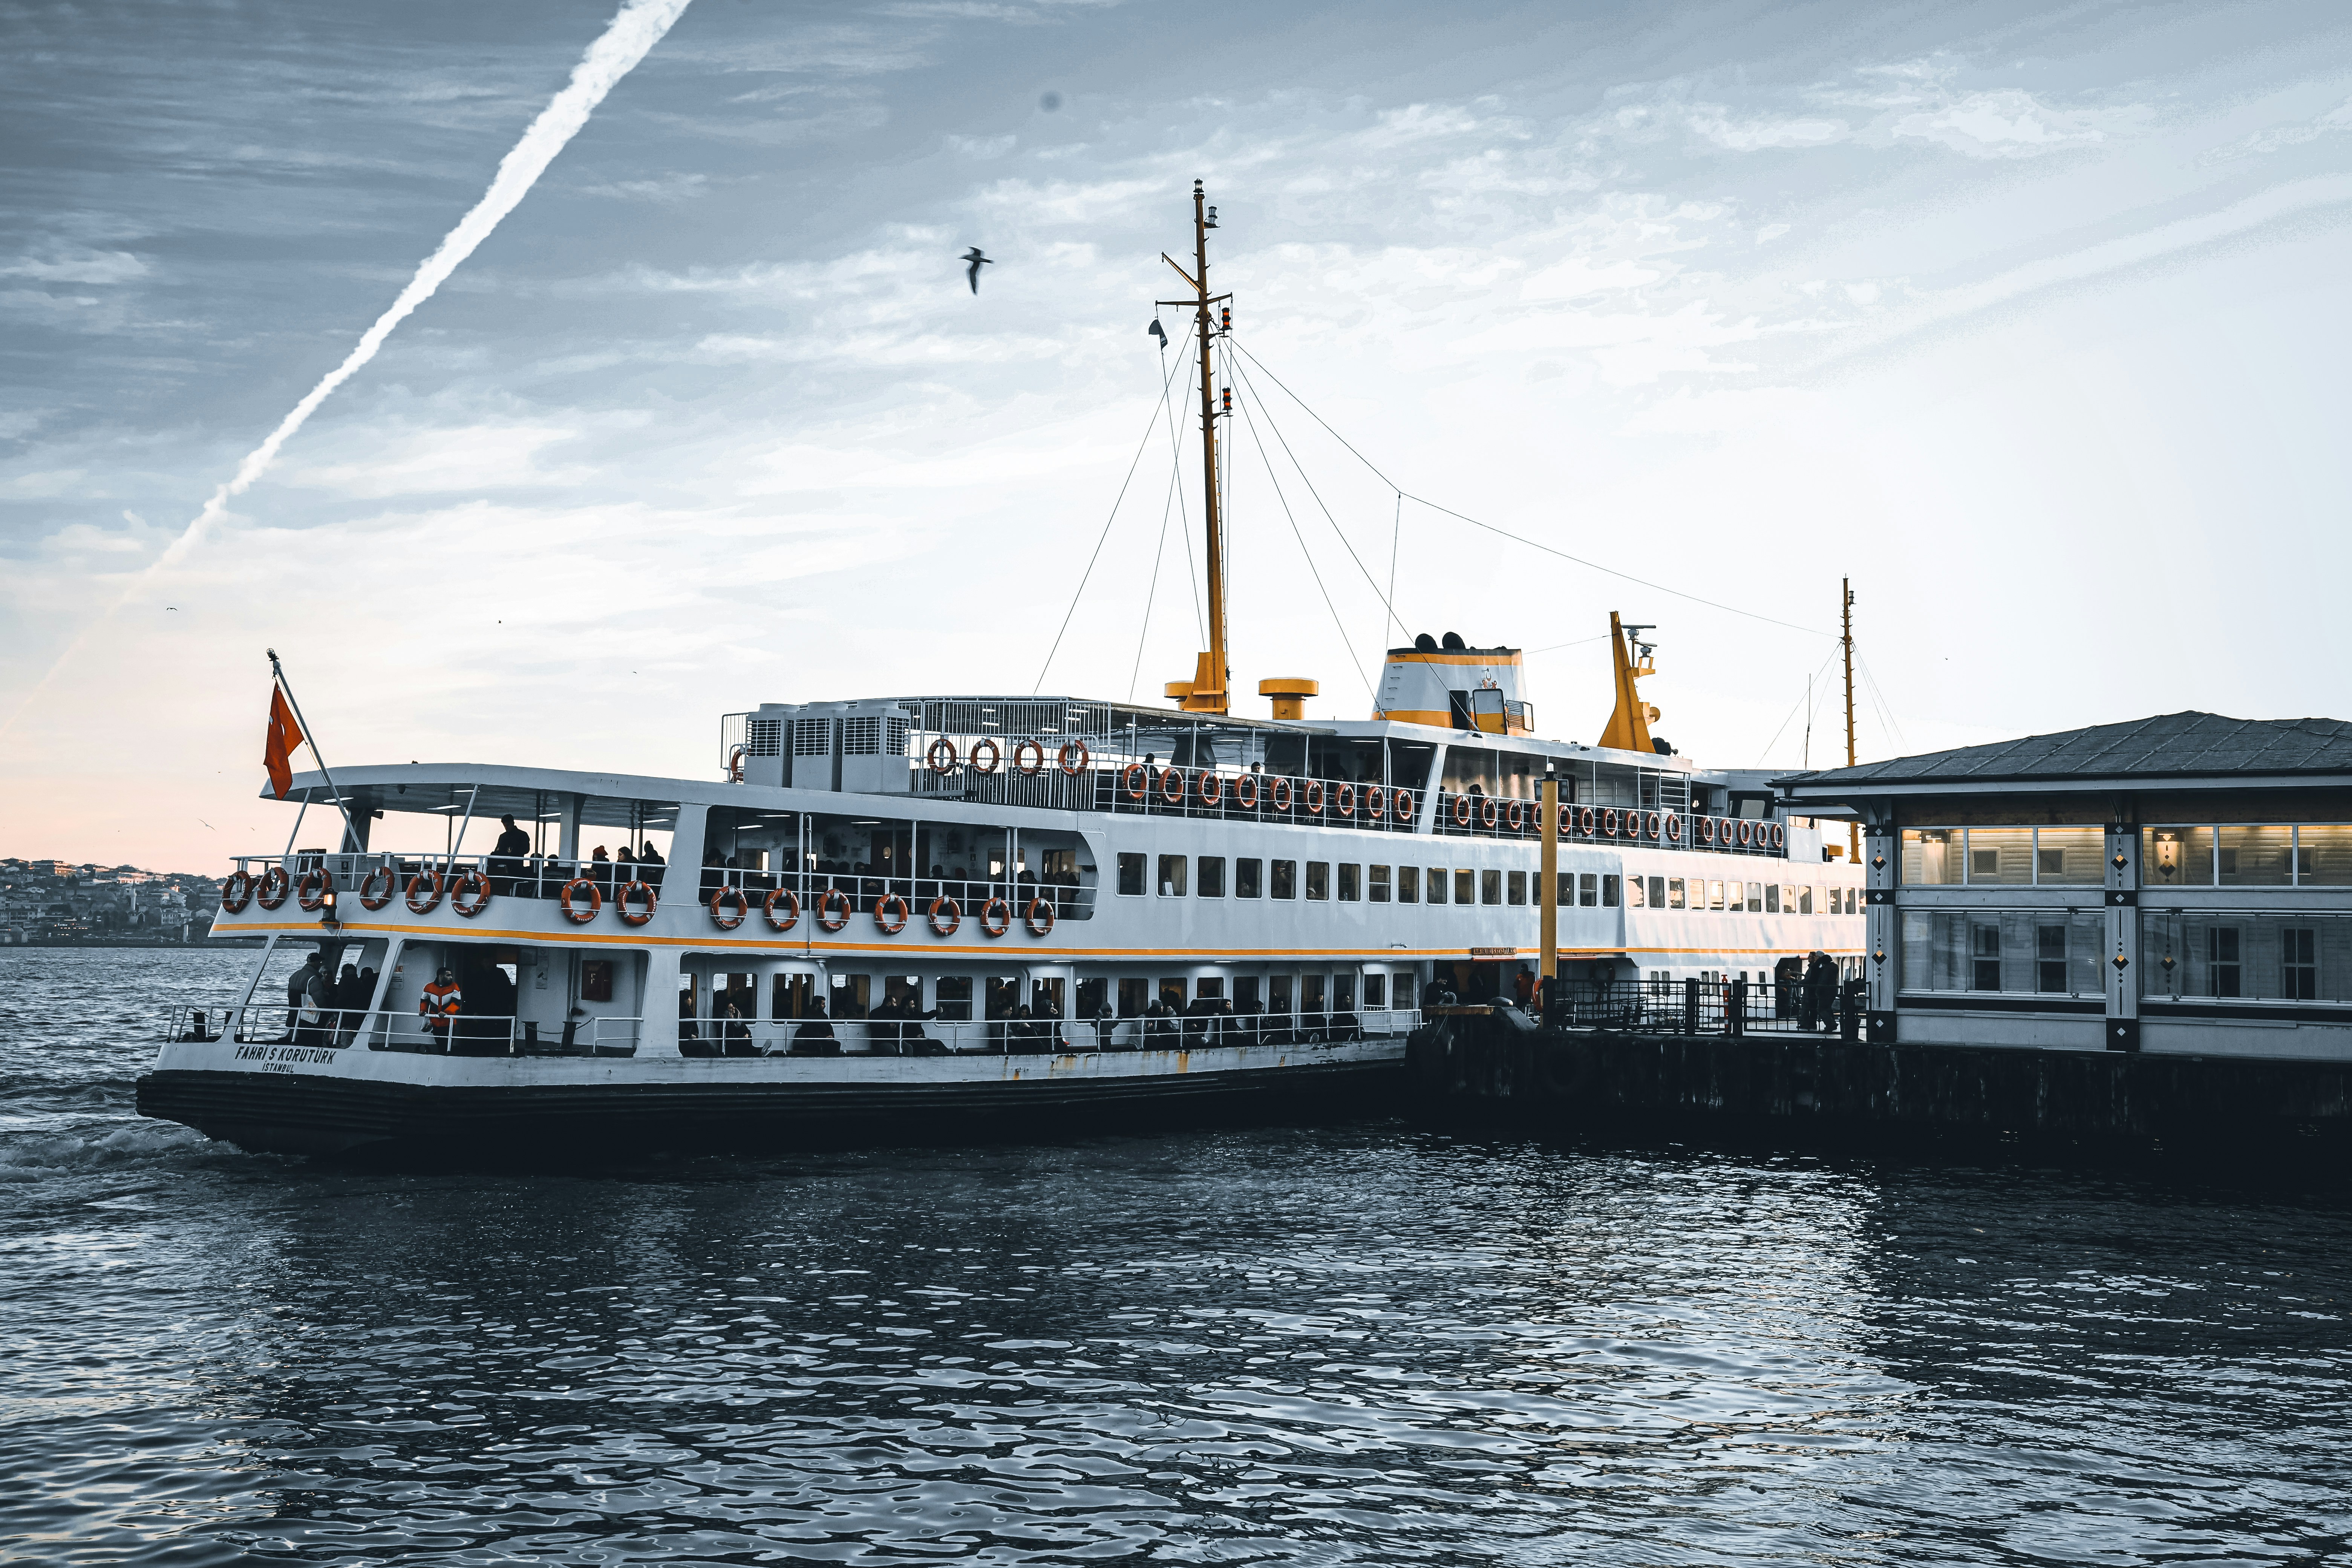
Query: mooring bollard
{"points": [[1735, 1011], [1690, 1007]]}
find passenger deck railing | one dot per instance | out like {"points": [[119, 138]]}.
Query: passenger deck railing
{"points": [[887, 1036], [461, 1034]]}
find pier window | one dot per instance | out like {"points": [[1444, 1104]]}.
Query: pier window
{"points": [[1377, 884], [1351, 887], [1249, 877], [1212, 880], [2070, 856], [2323, 857], [1464, 886], [1932, 856], [2224, 973], [952, 994], [1376, 989], [2299, 963], [1171, 878], [1658, 893], [1437, 884], [2253, 857], [1318, 879], [2176, 857], [1673, 892], [1286, 878], [1490, 887], [1984, 952], [1515, 889], [2050, 958], [1609, 891], [1131, 874]]}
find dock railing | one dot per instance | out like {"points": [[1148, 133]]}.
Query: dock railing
{"points": [[1733, 1006]]}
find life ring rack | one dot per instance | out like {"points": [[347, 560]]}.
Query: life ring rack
{"points": [[953, 912], [305, 897], [369, 898], [236, 892], [432, 891], [889, 927], [1029, 916], [941, 757], [725, 895], [768, 908], [630, 889], [995, 918], [1030, 746], [275, 886], [1073, 765], [828, 901], [473, 883]]}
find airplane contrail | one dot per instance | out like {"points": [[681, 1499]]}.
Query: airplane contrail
{"points": [[639, 26]]}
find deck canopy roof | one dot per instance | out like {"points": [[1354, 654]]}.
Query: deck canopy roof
{"points": [[528, 795], [2170, 749]]}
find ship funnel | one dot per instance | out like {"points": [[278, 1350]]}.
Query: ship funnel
{"points": [[1456, 687]]}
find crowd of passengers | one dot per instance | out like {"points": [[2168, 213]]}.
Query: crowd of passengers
{"points": [[514, 871], [895, 1029]]}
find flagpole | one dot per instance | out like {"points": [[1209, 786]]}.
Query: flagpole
{"points": [[278, 673]]}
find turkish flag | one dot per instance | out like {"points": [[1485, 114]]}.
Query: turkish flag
{"points": [[278, 752]]}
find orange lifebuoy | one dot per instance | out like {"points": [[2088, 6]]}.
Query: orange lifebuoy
{"points": [[1074, 757], [471, 883], [893, 927], [1310, 797], [1707, 830], [1343, 799], [768, 908], [827, 902], [1584, 820], [995, 755], [432, 892], [1376, 801], [728, 895], [1404, 804], [1461, 809], [946, 916], [1609, 823], [1514, 816], [1210, 787], [1026, 748], [1650, 826], [1029, 917], [1674, 828], [1245, 792], [236, 891], [305, 895], [735, 766], [995, 918], [1134, 781], [1171, 787], [1779, 835], [573, 914], [1280, 795], [1631, 825], [1488, 812], [630, 889], [1747, 834], [275, 886], [941, 756], [369, 898]]}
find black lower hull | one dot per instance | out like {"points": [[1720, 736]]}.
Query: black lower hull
{"points": [[294, 1114]]}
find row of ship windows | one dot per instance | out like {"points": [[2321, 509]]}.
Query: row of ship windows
{"points": [[1203, 876]]}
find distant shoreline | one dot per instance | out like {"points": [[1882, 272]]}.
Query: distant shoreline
{"points": [[58, 941]]}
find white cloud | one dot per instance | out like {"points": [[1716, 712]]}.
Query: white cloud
{"points": [[76, 265], [2011, 123]]}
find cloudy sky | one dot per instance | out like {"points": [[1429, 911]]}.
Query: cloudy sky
{"points": [[2031, 319]]}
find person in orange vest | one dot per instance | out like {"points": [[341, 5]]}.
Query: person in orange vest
{"points": [[441, 1002]]}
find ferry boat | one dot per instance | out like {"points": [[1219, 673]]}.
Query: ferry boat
{"points": [[916, 917]]}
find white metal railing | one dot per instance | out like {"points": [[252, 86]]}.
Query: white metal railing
{"points": [[708, 1037], [392, 1029], [861, 895]]}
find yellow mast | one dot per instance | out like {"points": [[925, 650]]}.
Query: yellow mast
{"points": [[1629, 725], [1208, 690]]}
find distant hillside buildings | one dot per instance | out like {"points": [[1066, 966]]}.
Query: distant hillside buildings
{"points": [[52, 901]]}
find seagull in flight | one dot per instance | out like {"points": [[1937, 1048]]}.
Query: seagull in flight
{"points": [[977, 261]]}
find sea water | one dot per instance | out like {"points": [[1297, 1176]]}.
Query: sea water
{"points": [[1364, 1343]]}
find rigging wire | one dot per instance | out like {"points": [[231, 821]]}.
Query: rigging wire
{"points": [[1159, 553], [1373, 582], [1878, 699], [1763, 757], [1176, 456], [1404, 494], [1396, 537], [1150, 429], [1340, 626]]}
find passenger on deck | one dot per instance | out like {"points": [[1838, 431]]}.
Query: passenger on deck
{"points": [[714, 873], [440, 1006], [316, 1010], [737, 1030], [506, 857], [294, 984], [814, 1037], [649, 856], [621, 857], [600, 870], [350, 1003]]}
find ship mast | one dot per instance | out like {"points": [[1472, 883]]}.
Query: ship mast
{"points": [[1207, 692]]}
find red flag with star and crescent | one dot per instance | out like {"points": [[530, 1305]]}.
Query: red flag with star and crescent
{"points": [[278, 752]]}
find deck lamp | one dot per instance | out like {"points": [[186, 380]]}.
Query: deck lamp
{"points": [[327, 908]]}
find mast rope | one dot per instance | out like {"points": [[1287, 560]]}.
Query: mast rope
{"points": [[1336, 622], [1373, 582], [1405, 495], [1150, 429], [1173, 503]]}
